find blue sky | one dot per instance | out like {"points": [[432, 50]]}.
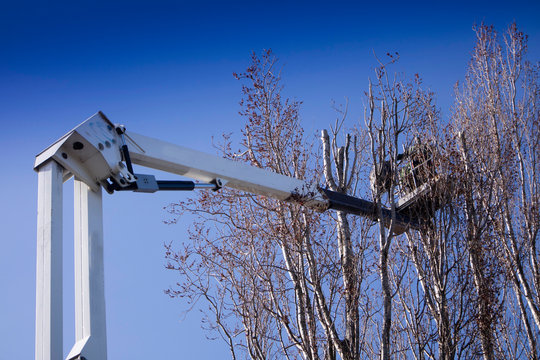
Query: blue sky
{"points": [[164, 70]]}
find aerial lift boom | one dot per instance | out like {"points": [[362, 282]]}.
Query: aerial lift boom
{"points": [[100, 154]]}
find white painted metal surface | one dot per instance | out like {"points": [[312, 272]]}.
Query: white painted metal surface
{"points": [[90, 151], [161, 155], [90, 324], [49, 263]]}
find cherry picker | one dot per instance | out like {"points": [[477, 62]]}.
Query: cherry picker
{"points": [[100, 155]]}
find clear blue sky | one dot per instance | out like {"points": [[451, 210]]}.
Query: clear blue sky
{"points": [[164, 69]]}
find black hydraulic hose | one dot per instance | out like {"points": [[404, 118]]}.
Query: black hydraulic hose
{"points": [[127, 158]]}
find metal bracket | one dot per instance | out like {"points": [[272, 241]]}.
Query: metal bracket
{"points": [[90, 152]]}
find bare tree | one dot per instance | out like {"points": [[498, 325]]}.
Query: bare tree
{"points": [[438, 254], [395, 110], [497, 114], [276, 282], [343, 180]]}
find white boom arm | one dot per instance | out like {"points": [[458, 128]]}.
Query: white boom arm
{"points": [[156, 154], [96, 154], [91, 153]]}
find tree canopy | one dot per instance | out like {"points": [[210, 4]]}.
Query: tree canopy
{"points": [[282, 281]]}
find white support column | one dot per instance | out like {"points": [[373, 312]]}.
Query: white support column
{"points": [[90, 325], [49, 263]]}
